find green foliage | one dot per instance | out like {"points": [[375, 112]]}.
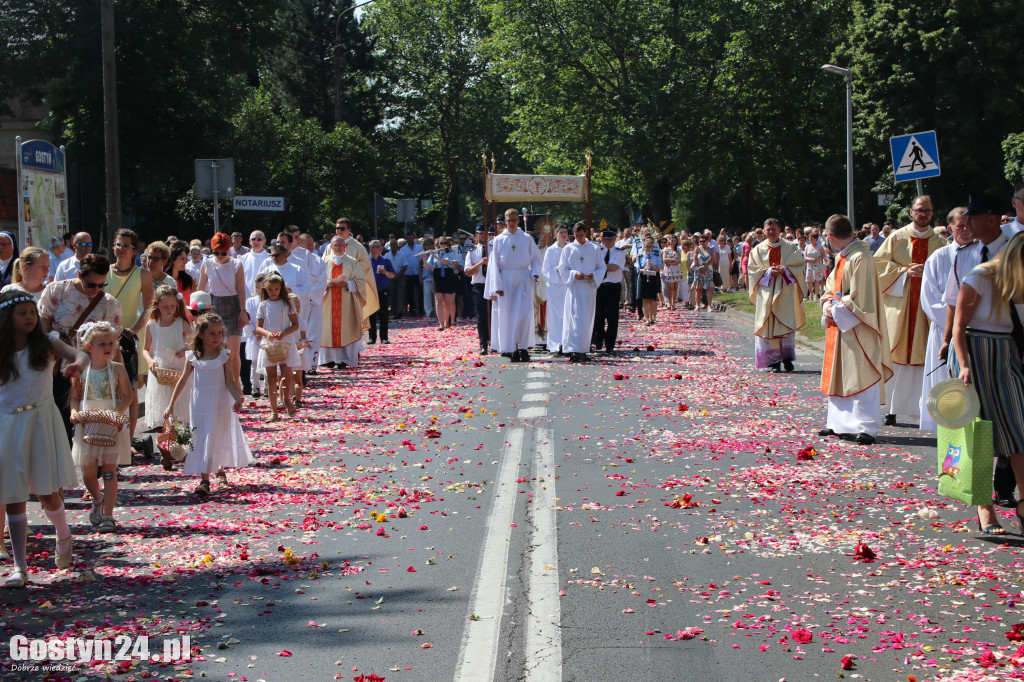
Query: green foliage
{"points": [[280, 153], [442, 102], [949, 66], [1013, 151], [321, 64]]}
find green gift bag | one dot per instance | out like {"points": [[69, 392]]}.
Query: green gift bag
{"points": [[966, 459]]}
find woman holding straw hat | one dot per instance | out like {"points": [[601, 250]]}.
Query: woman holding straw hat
{"points": [[987, 356]]}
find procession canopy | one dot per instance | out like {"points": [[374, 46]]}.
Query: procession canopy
{"points": [[518, 188]]}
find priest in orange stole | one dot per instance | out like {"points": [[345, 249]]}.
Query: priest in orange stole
{"points": [[900, 262], [344, 301], [857, 359], [775, 277]]}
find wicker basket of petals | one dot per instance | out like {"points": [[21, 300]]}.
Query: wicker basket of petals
{"points": [[101, 426], [277, 351], [165, 377]]}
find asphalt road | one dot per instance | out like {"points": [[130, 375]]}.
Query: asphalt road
{"points": [[439, 516]]}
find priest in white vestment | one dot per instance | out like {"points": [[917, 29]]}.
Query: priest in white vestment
{"points": [[900, 262], [857, 361], [513, 269], [933, 285], [342, 337], [582, 269], [354, 249], [556, 289]]}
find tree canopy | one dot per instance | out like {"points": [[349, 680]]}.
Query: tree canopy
{"points": [[707, 112]]}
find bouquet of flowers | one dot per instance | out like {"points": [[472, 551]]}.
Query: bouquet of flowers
{"points": [[174, 442]]}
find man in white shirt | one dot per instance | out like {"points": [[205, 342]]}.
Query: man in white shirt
{"points": [[294, 276], [237, 250], [313, 312], [195, 261], [1017, 224], [252, 261], [476, 265], [606, 322], [983, 212], [511, 273], [68, 268], [58, 254], [933, 285]]}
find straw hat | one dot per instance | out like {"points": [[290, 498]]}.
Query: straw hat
{"points": [[200, 301], [953, 404]]}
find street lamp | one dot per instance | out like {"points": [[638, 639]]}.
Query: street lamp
{"points": [[848, 75]]}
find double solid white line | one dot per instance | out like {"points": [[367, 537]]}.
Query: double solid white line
{"points": [[478, 655]]}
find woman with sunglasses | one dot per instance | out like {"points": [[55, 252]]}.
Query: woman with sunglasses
{"points": [[175, 268], [223, 278], [444, 264], [62, 309], [703, 273]]}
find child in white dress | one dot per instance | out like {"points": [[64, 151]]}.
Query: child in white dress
{"points": [[277, 321], [167, 336], [218, 442], [252, 343], [104, 386], [35, 458], [305, 355]]}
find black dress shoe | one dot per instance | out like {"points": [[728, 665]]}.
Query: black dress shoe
{"points": [[507, 355], [371, 342], [330, 365], [865, 439], [775, 368], [890, 420], [1005, 500], [787, 365], [514, 357], [826, 432], [483, 351], [385, 341]]}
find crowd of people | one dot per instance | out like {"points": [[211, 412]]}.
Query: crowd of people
{"points": [[180, 331], [904, 309]]}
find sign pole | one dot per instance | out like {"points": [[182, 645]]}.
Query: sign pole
{"points": [[920, 187], [374, 215], [22, 227], [216, 205]]}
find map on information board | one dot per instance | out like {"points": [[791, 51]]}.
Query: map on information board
{"points": [[45, 206]]}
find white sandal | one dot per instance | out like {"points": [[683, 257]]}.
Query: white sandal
{"points": [[63, 559], [16, 580]]}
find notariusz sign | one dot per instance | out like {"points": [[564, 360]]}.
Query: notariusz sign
{"points": [[258, 203]]}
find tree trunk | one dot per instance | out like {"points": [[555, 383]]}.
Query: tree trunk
{"points": [[659, 199]]}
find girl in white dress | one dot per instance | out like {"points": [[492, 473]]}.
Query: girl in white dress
{"points": [[218, 441], [104, 386], [35, 458], [167, 335], [277, 321], [305, 355], [252, 344]]}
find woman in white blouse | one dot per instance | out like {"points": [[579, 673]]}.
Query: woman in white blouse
{"points": [[987, 356]]}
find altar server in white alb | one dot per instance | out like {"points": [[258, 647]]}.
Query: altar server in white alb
{"points": [[556, 289], [513, 270], [311, 311], [933, 285], [582, 269]]}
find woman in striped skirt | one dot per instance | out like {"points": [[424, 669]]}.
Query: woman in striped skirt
{"points": [[987, 356]]}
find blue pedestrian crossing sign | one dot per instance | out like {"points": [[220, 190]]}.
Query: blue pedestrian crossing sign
{"points": [[915, 156]]}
